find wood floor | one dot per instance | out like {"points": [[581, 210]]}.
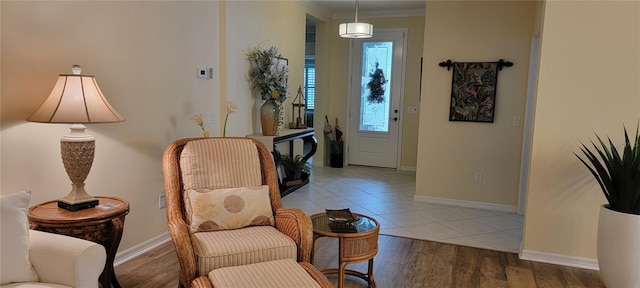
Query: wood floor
{"points": [[400, 263]]}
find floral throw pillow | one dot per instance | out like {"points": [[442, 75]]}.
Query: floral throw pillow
{"points": [[230, 208]]}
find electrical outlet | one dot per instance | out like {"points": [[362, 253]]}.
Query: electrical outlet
{"points": [[478, 177], [516, 121], [161, 201]]}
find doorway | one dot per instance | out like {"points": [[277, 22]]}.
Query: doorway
{"points": [[309, 89], [375, 101]]}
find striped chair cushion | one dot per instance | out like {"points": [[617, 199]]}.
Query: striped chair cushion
{"points": [[285, 273], [240, 247], [220, 163], [214, 163]]}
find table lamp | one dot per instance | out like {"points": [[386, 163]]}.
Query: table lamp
{"points": [[76, 99]]}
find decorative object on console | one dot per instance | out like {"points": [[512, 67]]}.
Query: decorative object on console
{"points": [[270, 117], [76, 99], [269, 73], [355, 29], [298, 111]]}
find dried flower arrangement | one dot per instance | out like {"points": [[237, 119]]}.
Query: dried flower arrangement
{"points": [[198, 120], [231, 107], [267, 77]]}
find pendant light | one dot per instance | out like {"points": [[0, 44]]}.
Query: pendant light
{"points": [[356, 29]]}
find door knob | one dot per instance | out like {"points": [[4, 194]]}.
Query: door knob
{"points": [[396, 111], [394, 118]]}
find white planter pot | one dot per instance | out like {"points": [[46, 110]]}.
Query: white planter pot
{"points": [[619, 248]]}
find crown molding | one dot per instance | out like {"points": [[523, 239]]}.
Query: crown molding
{"points": [[326, 15], [380, 14], [316, 10]]}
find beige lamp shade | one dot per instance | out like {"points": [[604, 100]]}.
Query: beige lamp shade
{"points": [[76, 99], [355, 29]]}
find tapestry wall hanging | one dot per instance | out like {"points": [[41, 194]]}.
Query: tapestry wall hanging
{"points": [[473, 90]]}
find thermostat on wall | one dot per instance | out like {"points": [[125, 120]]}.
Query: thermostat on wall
{"points": [[204, 73]]}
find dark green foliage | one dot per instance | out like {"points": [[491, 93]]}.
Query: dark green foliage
{"points": [[376, 85], [294, 166], [618, 175]]}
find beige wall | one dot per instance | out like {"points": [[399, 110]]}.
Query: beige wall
{"points": [[450, 153], [588, 82], [285, 32], [144, 56]]}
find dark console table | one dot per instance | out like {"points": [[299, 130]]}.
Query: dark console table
{"points": [[289, 135]]}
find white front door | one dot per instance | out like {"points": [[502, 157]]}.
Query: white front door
{"points": [[376, 93]]}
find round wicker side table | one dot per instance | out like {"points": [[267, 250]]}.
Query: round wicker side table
{"points": [[101, 226], [359, 244]]}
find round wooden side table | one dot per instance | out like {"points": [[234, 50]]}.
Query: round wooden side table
{"points": [[359, 242], [101, 226]]}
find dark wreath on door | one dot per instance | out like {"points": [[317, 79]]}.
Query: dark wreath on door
{"points": [[473, 91]]}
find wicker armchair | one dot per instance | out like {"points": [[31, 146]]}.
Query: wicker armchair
{"points": [[293, 223]]}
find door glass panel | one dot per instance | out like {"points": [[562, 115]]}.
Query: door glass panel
{"points": [[375, 86]]}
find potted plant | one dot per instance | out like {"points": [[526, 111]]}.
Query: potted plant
{"points": [[619, 222], [294, 169]]}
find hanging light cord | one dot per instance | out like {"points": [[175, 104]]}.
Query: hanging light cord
{"points": [[356, 11]]}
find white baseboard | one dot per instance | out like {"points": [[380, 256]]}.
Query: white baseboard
{"points": [[141, 248], [558, 259], [402, 168], [465, 203]]}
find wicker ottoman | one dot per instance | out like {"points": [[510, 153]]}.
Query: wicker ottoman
{"points": [[286, 273]]}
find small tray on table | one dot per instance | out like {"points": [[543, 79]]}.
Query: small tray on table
{"points": [[341, 221]]}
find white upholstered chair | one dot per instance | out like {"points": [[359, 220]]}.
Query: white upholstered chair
{"points": [[39, 259]]}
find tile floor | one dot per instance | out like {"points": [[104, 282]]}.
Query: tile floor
{"points": [[387, 196]]}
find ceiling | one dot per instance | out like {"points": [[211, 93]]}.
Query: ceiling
{"points": [[342, 8]]}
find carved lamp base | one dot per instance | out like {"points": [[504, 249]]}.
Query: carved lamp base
{"points": [[77, 150]]}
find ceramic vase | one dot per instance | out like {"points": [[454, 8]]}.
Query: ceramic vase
{"points": [[270, 118], [618, 248]]}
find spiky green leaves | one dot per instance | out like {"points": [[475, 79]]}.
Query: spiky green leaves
{"points": [[618, 175]]}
